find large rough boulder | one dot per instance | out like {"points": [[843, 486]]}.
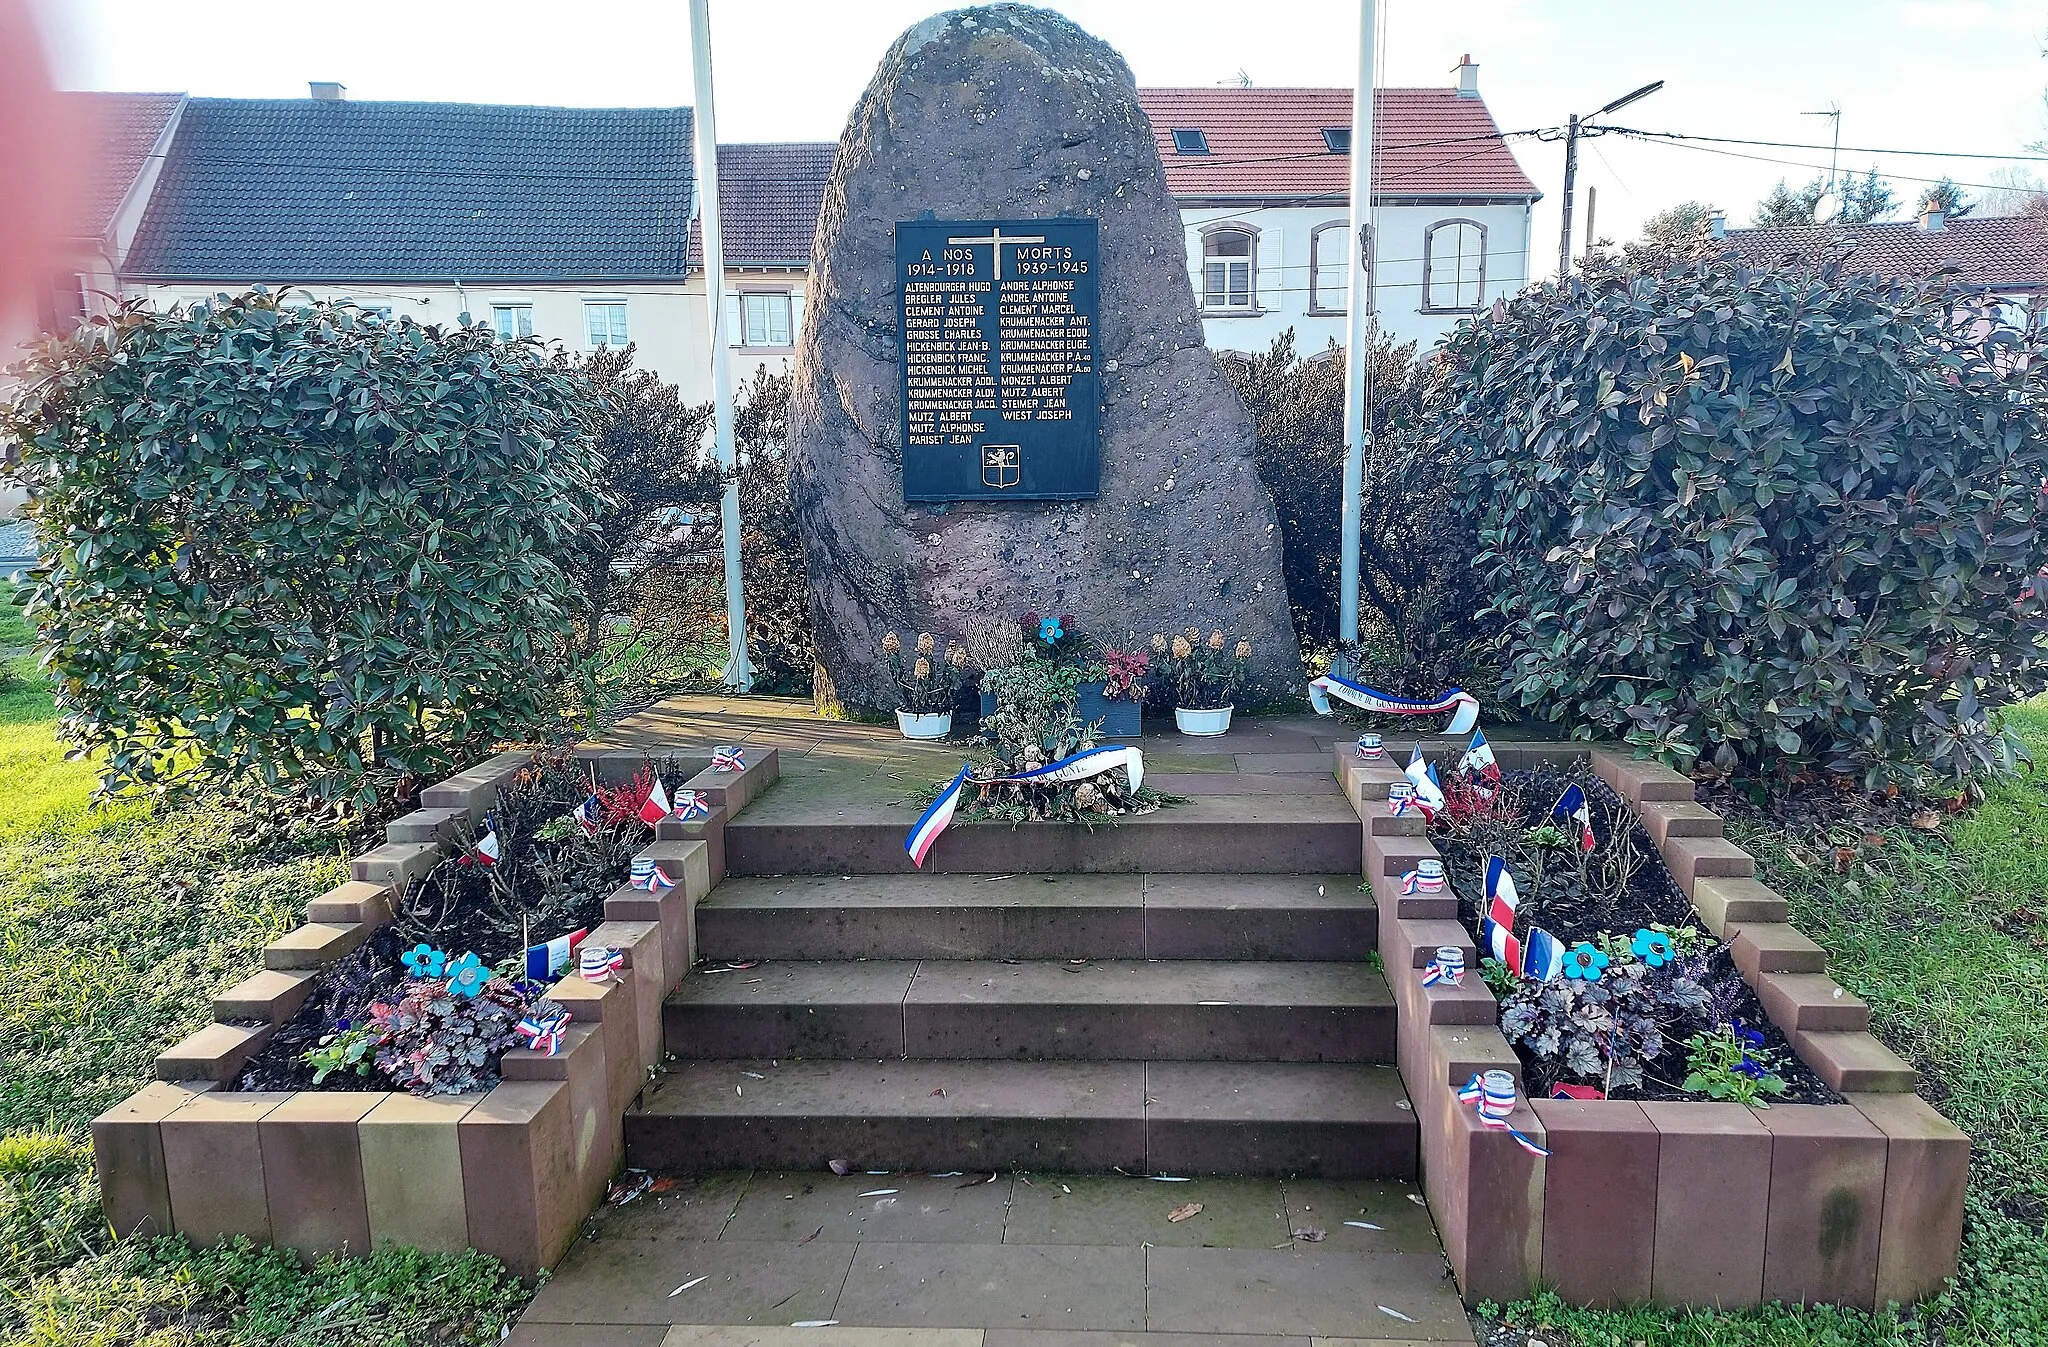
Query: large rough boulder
{"points": [[1004, 112]]}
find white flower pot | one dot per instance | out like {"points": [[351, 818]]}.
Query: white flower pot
{"points": [[1203, 723], [925, 724]]}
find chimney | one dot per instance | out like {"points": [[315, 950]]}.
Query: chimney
{"points": [[328, 91], [1933, 219], [1717, 225], [1468, 77]]}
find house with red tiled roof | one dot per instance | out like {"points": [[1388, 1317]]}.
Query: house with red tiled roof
{"points": [[1262, 177], [2004, 256]]}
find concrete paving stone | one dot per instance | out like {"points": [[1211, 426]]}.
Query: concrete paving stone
{"points": [[1927, 1166], [1599, 1200], [1276, 917], [588, 1335], [395, 865], [313, 1171], [839, 1335], [1691, 859], [1854, 1061], [412, 1171], [890, 1208], [351, 903], [1315, 763], [1187, 1011], [994, 1286], [635, 1281], [1081, 1337], [1713, 1200], [1405, 1226], [313, 945], [213, 1160], [681, 1207], [1813, 1002], [215, 1052], [1679, 818], [1241, 783], [270, 996], [1827, 1204], [1307, 1289], [428, 825], [1237, 1213], [1721, 902], [128, 1158], [810, 1009], [1318, 1119], [920, 1115], [1773, 947], [1639, 780]]}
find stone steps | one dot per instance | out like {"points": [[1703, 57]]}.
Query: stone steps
{"points": [[1251, 1118], [1189, 1010], [1012, 916]]}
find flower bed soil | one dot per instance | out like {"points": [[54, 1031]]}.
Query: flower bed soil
{"points": [[1575, 910]]}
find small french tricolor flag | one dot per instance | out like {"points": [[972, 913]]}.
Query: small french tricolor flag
{"points": [[656, 809], [1543, 956], [1502, 899], [1501, 940], [1573, 808], [1428, 792], [545, 962], [934, 821], [488, 849], [1479, 760], [587, 815]]}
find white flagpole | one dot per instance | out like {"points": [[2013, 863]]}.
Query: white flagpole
{"points": [[739, 669], [1358, 326]]}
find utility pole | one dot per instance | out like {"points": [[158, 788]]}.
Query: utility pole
{"points": [[1358, 325], [1592, 203], [739, 669], [1571, 172]]}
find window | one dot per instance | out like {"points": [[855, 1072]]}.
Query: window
{"points": [[1329, 275], [765, 319], [512, 320], [604, 321], [60, 304], [1337, 139], [1453, 266], [1227, 270], [1187, 140]]}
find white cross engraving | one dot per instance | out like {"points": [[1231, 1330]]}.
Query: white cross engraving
{"points": [[995, 238]]}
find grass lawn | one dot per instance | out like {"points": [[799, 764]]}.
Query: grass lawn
{"points": [[116, 928]]}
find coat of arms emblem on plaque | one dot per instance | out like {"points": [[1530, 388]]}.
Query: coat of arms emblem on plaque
{"points": [[1000, 465]]}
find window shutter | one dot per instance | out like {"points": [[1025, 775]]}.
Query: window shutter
{"points": [[735, 332], [796, 316]]}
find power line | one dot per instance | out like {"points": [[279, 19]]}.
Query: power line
{"points": [[1818, 168], [1846, 149]]}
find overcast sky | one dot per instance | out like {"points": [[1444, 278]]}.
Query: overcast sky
{"points": [[1948, 75]]}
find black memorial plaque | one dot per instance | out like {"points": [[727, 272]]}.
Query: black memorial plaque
{"points": [[1001, 398]]}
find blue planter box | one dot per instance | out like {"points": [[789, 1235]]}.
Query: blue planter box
{"points": [[1120, 719]]}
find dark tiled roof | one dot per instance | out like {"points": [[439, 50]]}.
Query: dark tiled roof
{"points": [[121, 130], [1269, 143], [2006, 253], [304, 190], [768, 198]]}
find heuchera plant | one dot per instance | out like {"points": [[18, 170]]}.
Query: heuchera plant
{"points": [[1770, 517], [435, 1042], [1604, 1030]]}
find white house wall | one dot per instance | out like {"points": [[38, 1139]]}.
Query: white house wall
{"points": [[1282, 277]]}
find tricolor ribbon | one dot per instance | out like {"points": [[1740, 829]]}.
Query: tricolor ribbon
{"points": [[1494, 1096], [692, 804], [728, 758], [1089, 762], [1463, 706], [653, 878], [1447, 966], [1426, 877], [1371, 748], [544, 1034]]}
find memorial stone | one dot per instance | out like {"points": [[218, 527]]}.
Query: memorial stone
{"points": [[1002, 398]]}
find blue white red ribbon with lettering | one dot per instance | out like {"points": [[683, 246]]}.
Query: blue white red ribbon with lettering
{"points": [[728, 758], [1075, 767], [1463, 706], [1494, 1096], [544, 1033], [1447, 966]]}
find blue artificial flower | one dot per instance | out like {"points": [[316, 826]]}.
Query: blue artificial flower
{"points": [[1049, 629], [1584, 962], [343, 1026], [467, 976], [423, 961], [1750, 1067], [1753, 1037], [1653, 948]]}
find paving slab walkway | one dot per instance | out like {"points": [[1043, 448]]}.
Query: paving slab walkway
{"points": [[765, 1259]]}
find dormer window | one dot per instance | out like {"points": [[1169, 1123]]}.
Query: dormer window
{"points": [[1337, 139], [1189, 140]]}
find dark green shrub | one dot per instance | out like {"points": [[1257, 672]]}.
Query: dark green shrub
{"points": [[293, 543], [777, 586], [1417, 595], [1776, 517]]}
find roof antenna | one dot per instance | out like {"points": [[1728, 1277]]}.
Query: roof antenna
{"points": [[1240, 80]]}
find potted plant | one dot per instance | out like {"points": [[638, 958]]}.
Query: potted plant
{"points": [[926, 686], [1031, 639], [1114, 696], [1205, 677]]}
